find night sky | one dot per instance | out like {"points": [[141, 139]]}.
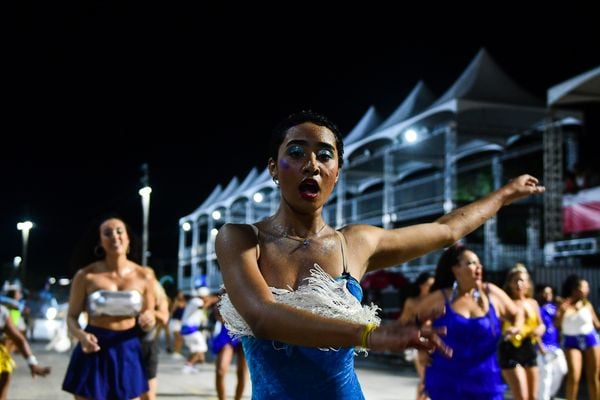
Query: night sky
{"points": [[88, 85]]}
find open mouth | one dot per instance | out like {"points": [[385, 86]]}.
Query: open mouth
{"points": [[309, 189]]}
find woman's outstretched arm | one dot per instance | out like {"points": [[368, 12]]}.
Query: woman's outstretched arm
{"points": [[253, 300], [381, 248]]}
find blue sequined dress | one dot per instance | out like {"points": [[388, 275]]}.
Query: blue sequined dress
{"points": [[284, 371], [473, 372]]}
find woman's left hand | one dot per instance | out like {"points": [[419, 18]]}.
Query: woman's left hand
{"points": [[147, 320], [38, 370]]}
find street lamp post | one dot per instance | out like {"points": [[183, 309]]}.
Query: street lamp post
{"points": [[24, 227], [145, 193]]}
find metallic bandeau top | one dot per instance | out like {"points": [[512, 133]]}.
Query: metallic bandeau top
{"points": [[114, 303]]}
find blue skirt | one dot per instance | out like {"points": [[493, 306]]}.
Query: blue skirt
{"points": [[114, 372], [222, 339]]}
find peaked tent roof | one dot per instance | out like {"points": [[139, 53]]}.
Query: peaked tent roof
{"points": [[484, 80], [261, 181], [248, 181], [211, 197], [264, 176], [367, 123], [483, 96], [418, 100], [228, 191], [580, 89]]}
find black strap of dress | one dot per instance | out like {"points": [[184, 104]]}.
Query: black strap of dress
{"points": [[343, 246]]}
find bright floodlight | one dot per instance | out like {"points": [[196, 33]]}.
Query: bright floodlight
{"points": [[258, 197], [213, 232], [24, 226], [216, 215], [64, 281], [186, 226], [145, 191], [385, 219], [410, 135]]}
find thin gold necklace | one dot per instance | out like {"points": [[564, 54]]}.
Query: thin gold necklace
{"points": [[305, 241]]}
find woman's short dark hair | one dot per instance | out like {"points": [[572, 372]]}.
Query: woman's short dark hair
{"points": [[281, 129]]}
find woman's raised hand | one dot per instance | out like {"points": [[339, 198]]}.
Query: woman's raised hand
{"points": [[521, 187]]}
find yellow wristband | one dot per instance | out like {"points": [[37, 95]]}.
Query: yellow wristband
{"points": [[364, 337]]}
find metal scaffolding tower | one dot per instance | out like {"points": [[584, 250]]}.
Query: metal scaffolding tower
{"points": [[553, 180]]}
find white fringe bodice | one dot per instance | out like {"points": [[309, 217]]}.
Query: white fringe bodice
{"points": [[321, 295]]}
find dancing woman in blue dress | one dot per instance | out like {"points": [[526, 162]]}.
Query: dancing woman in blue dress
{"points": [[292, 279]]}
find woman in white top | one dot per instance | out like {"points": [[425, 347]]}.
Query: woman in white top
{"points": [[578, 322]]}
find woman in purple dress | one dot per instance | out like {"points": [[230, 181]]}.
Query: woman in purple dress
{"points": [[473, 312]]}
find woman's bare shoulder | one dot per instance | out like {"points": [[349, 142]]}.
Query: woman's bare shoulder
{"points": [[410, 302], [87, 274], [145, 272], [230, 228], [90, 269], [358, 233], [533, 302], [356, 228], [433, 300], [497, 293], [238, 231]]}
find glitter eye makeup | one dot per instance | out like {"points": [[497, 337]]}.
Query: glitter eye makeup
{"points": [[295, 151], [325, 154]]}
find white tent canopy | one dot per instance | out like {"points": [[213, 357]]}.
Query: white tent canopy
{"points": [[580, 89]]}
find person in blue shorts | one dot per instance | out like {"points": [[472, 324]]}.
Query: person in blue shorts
{"points": [[579, 323], [226, 348]]}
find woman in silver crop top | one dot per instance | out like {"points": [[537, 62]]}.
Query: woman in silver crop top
{"points": [[116, 292], [578, 323], [292, 279]]}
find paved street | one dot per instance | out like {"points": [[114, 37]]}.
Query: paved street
{"points": [[380, 380]]}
